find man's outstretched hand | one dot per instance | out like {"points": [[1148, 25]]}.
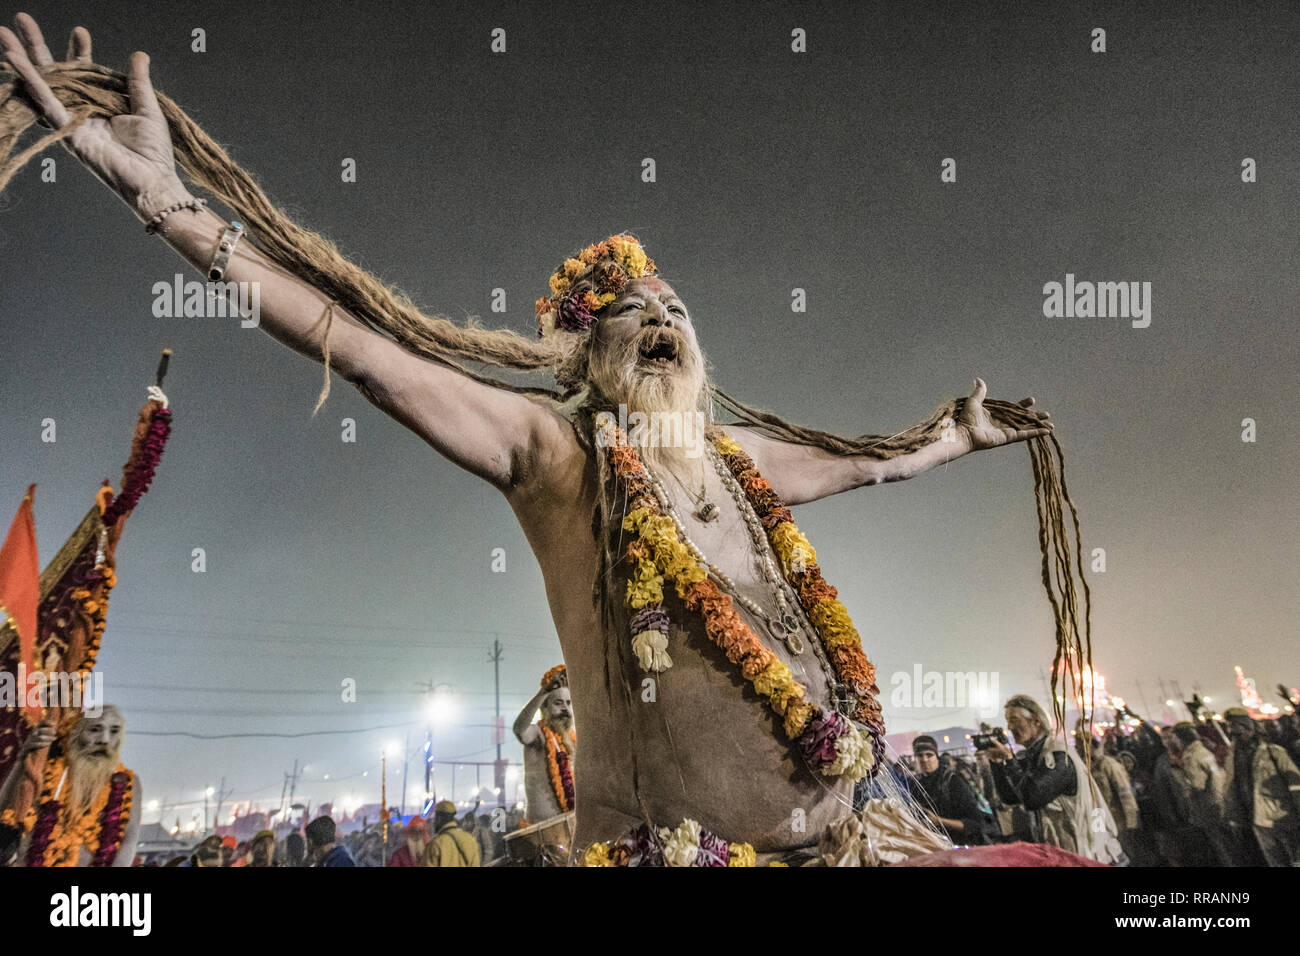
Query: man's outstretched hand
{"points": [[131, 153], [982, 432]]}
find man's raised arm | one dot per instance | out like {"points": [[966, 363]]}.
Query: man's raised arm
{"points": [[803, 473], [492, 433], [525, 730]]}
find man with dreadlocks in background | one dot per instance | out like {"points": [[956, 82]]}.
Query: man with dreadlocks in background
{"points": [[549, 747], [82, 814], [726, 702]]}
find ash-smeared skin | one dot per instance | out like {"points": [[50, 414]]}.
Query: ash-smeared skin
{"points": [[707, 748], [94, 749]]}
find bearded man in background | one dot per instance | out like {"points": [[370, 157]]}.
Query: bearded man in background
{"points": [[549, 747], [87, 812]]}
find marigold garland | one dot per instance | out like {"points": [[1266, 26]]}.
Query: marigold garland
{"points": [[559, 768], [656, 554], [818, 598], [609, 265], [687, 845], [56, 843]]}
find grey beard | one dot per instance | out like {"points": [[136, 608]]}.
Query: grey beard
{"points": [[87, 775], [617, 373], [561, 725]]}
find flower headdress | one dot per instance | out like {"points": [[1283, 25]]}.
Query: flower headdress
{"points": [[608, 265]]}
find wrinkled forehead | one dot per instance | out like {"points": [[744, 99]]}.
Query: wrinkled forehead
{"points": [[650, 284], [109, 719], [559, 694]]}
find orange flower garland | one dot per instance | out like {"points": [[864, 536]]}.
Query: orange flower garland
{"points": [[559, 768], [58, 843], [819, 599], [828, 742]]}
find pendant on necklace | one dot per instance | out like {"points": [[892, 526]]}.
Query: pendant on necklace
{"points": [[786, 634], [708, 511]]}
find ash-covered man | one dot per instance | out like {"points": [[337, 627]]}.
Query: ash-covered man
{"points": [[720, 684], [87, 811], [550, 746]]}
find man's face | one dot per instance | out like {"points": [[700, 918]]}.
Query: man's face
{"points": [[99, 737], [927, 761], [645, 353], [415, 843], [1024, 728], [557, 711], [263, 851], [1240, 730]]}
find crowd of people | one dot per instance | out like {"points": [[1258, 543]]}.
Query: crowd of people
{"points": [[1195, 793], [445, 839], [1215, 791]]}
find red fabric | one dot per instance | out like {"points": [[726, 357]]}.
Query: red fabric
{"points": [[20, 590], [1010, 854], [402, 857]]}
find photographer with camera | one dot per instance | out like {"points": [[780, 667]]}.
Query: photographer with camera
{"points": [[1065, 807]]}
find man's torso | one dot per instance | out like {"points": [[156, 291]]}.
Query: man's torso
{"points": [[695, 739]]}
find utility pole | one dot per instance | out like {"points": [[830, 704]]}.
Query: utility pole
{"points": [[290, 782], [498, 728], [222, 793]]}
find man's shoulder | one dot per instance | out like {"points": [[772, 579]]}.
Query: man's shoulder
{"points": [[339, 856]]}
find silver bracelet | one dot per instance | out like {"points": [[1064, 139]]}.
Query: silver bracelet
{"points": [[152, 225], [229, 239]]}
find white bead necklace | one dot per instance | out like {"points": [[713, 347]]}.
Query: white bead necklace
{"points": [[784, 628]]}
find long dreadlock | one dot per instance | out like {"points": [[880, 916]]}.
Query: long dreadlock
{"points": [[90, 90]]}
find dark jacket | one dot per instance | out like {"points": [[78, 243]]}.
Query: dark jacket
{"points": [[339, 856], [949, 795], [1027, 781]]}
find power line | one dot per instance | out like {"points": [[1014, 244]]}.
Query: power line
{"points": [[359, 627], [310, 733]]}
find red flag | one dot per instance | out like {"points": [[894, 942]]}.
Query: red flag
{"points": [[20, 590]]}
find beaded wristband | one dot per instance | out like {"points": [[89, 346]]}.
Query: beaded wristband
{"points": [[152, 225]]}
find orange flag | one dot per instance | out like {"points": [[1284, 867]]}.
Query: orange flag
{"points": [[20, 590]]}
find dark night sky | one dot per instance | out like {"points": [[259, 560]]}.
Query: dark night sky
{"points": [[775, 170]]}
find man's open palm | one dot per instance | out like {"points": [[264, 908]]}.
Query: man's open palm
{"points": [[132, 152], [983, 432]]}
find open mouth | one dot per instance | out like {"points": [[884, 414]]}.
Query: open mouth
{"points": [[658, 352]]}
